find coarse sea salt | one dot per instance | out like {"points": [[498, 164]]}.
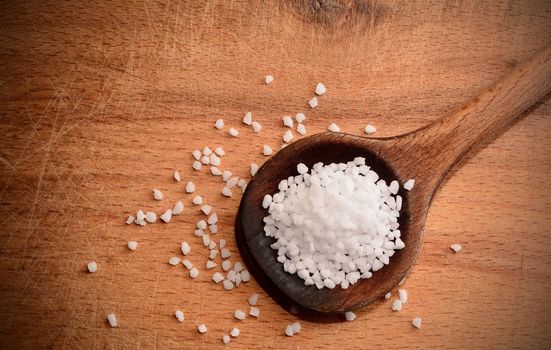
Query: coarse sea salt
{"points": [[233, 132], [177, 176], [254, 169], [219, 124], [349, 316], [158, 195], [408, 185], [179, 315], [266, 150], [320, 89], [287, 121], [178, 208], [226, 174], [193, 273], [333, 225], [238, 314], [92, 267], [217, 277], [269, 79], [300, 117], [370, 129], [219, 151], [254, 311], [334, 128], [132, 245], [288, 136], [226, 339], [456, 247], [202, 328], [301, 129], [248, 118], [226, 191], [197, 200], [257, 127], [253, 299], [185, 248], [166, 216], [197, 165], [313, 102], [112, 319], [416, 322]]}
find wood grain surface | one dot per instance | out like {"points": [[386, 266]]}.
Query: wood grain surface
{"points": [[101, 101]]}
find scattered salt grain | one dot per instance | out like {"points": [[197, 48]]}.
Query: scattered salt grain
{"points": [[232, 182], [266, 150], [245, 276], [174, 261], [254, 311], [302, 169], [257, 127], [150, 217], [187, 264], [238, 267], [206, 240], [269, 79], [241, 182], [394, 187], [140, 216], [166, 216], [320, 89], [202, 328], [92, 267], [233, 132], [130, 219], [215, 171], [248, 118], [288, 136], [217, 277], [228, 285], [158, 195], [334, 128], [231, 275], [212, 244], [185, 248], [215, 160], [456, 247], [301, 129], [226, 265], [296, 327], [178, 208], [253, 299], [370, 129], [207, 151], [213, 253], [177, 176], [240, 315], [313, 102], [222, 243], [408, 185], [266, 201], [225, 253], [179, 315], [199, 233], [112, 319], [219, 124], [254, 169], [219, 151], [349, 316], [235, 332], [300, 117], [397, 305], [226, 174], [196, 165], [132, 245], [388, 295], [403, 294], [205, 160], [197, 200], [193, 273], [226, 339], [289, 330], [287, 121], [226, 192], [416, 322], [210, 264], [213, 229], [206, 209], [213, 219], [197, 154]]}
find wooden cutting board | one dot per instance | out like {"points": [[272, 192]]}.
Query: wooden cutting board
{"points": [[102, 101]]}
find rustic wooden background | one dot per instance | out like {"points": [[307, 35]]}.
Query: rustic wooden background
{"points": [[100, 101]]}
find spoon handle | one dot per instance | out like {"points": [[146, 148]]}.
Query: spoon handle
{"points": [[449, 138]]}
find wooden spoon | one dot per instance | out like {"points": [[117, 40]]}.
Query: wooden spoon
{"points": [[426, 155]]}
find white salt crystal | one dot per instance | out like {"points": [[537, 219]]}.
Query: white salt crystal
{"points": [[202, 328], [370, 129], [196, 165], [226, 339], [193, 273], [197, 154], [130, 219], [158, 195], [217, 277], [213, 219], [112, 319], [231, 275], [289, 330], [248, 118], [225, 253], [206, 209], [179, 315], [403, 294], [177, 176], [199, 233], [287, 121], [228, 285], [296, 327], [408, 185], [397, 305], [213, 229], [174, 261], [300, 117], [313, 102], [288, 136], [266, 201], [266, 150], [212, 244], [150, 217], [215, 160], [254, 169], [215, 171], [233, 132], [241, 182], [210, 265], [226, 264], [350, 316], [178, 208], [232, 182], [254, 311], [240, 315], [187, 264], [206, 240], [185, 248], [253, 299], [219, 124], [226, 192], [320, 89], [334, 128], [140, 216], [257, 127], [207, 151], [205, 160], [456, 248], [235, 332], [213, 253], [245, 276], [197, 200], [394, 187], [132, 245], [416, 322], [302, 169], [226, 174], [166, 216], [219, 151], [301, 129], [92, 267], [269, 79], [222, 243], [388, 295]]}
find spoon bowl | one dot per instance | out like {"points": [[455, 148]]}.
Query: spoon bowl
{"points": [[426, 155]]}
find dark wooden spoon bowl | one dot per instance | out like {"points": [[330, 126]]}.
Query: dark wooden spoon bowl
{"points": [[426, 155]]}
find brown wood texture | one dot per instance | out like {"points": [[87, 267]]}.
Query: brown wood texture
{"points": [[101, 101]]}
